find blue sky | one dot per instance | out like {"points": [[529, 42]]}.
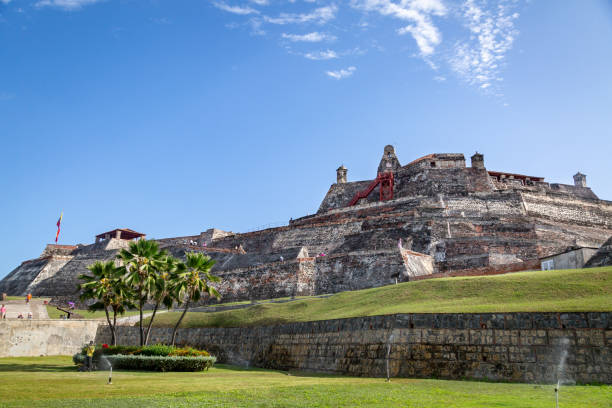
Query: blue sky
{"points": [[170, 117]]}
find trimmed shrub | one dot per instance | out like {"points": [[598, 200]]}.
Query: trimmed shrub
{"points": [[161, 363], [155, 350]]}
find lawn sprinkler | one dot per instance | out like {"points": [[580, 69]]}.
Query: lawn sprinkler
{"points": [[110, 376], [557, 394]]}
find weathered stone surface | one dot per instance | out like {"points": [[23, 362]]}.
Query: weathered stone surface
{"points": [[22, 338], [522, 347], [603, 257]]}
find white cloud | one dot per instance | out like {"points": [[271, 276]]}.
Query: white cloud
{"points": [[260, 2], [65, 4], [417, 12], [5, 1], [319, 15], [478, 60], [241, 10], [342, 73], [310, 37], [321, 55]]}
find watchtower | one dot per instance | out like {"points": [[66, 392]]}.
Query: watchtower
{"points": [[478, 161], [580, 180], [389, 162], [341, 174]]}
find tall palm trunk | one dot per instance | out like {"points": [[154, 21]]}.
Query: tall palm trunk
{"points": [[114, 341], [151, 324], [180, 320], [141, 305], [111, 326]]}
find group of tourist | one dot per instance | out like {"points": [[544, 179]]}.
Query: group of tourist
{"points": [[20, 316]]}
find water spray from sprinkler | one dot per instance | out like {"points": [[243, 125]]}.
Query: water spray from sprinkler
{"points": [[388, 352]]}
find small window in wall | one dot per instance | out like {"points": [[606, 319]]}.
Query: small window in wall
{"points": [[548, 265], [433, 164]]}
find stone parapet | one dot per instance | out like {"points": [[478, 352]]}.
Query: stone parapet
{"points": [[520, 347]]}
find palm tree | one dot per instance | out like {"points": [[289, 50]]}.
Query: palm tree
{"points": [[107, 287], [191, 283], [162, 293], [141, 263]]}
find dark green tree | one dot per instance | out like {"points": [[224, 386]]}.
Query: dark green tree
{"points": [[141, 263], [107, 287], [192, 282], [163, 289]]}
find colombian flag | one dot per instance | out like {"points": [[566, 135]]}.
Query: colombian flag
{"points": [[58, 226]]}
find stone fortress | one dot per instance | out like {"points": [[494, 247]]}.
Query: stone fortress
{"points": [[434, 216]]}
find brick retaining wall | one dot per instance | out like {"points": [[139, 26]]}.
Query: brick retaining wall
{"points": [[522, 347]]}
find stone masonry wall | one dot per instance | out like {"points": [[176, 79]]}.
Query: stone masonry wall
{"points": [[23, 338], [520, 347]]}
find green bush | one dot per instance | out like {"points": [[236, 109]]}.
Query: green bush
{"points": [[155, 350], [161, 363]]}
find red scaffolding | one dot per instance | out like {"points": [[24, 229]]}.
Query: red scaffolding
{"points": [[385, 180]]}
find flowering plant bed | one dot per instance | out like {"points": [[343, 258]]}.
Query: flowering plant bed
{"points": [[148, 358]]}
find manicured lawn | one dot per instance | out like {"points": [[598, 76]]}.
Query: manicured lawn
{"points": [[98, 314], [538, 291], [53, 382]]}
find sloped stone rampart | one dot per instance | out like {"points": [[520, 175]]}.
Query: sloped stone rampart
{"points": [[520, 347]]}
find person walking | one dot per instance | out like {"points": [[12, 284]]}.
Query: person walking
{"points": [[3, 312], [90, 352], [28, 298]]}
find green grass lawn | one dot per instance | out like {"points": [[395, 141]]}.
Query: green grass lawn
{"points": [[53, 382], [98, 314], [538, 291]]}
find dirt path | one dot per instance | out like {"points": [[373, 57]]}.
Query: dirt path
{"points": [[16, 307]]}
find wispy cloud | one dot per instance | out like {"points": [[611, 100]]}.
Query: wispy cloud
{"points": [[417, 12], [260, 2], [478, 60], [319, 15], [65, 4], [241, 10], [321, 55], [342, 73], [310, 37]]}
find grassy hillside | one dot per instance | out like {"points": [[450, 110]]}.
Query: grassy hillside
{"points": [[541, 291]]}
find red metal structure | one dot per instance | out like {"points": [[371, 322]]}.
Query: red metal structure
{"points": [[386, 188]]}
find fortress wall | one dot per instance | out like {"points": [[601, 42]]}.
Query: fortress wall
{"points": [[33, 338], [479, 205], [65, 281], [339, 195], [359, 270], [568, 210], [53, 266], [323, 238], [179, 240], [16, 282], [518, 347], [561, 221], [271, 280]]}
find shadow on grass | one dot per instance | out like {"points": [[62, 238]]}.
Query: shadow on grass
{"points": [[36, 368], [290, 373]]}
